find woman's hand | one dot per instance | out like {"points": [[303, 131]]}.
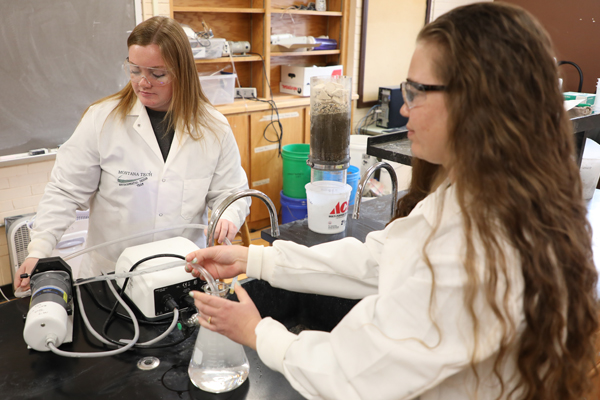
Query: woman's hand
{"points": [[235, 320], [224, 228], [220, 261], [25, 268]]}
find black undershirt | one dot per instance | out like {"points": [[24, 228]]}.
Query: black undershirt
{"points": [[159, 126]]}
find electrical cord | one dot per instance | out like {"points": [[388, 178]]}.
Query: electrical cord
{"points": [[365, 121], [117, 314], [3, 295], [578, 70], [112, 312], [186, 334], [275, 122]]}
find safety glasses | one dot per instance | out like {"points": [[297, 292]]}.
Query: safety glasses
{"points": [[414, 93], [154, 76]]}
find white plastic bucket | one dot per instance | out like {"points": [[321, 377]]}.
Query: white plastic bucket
{"points": [[327, 206], [358, 153]]}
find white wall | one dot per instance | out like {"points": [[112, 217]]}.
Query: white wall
{"points": [[439, 7]]}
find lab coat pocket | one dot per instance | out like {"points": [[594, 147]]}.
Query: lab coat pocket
{"points": [[194, 197]]}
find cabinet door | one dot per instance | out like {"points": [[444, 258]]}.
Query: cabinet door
{"points": [[265, 162], [239, 125]]}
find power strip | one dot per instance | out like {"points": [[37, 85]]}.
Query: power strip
{"points": [[245, 93]]}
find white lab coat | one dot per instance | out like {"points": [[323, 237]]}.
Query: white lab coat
{"points": [[387, 346], [116, 170]]}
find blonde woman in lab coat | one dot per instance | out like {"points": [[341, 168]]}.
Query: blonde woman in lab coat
{"points": [[154, 155], [487, 288]]}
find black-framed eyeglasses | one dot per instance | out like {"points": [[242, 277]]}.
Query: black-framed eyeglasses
{"points": [[415, 93]]}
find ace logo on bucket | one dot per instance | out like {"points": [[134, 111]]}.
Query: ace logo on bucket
{"points": [[339, 210]]}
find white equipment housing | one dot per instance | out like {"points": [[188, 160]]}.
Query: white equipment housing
{"points": [[147, 291]]}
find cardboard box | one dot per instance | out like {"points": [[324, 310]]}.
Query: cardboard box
{"points": [[295, 79]]}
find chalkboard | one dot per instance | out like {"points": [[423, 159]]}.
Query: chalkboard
{"points": [[56, 58]]}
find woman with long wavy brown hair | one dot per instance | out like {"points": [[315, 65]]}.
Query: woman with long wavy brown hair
{"points": [[515, 166], [485, 287]]}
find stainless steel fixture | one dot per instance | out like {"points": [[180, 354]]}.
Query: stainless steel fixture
{"points": [[363, 183], [217, 212]]}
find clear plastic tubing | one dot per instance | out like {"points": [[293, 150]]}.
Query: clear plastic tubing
{"points": [[134, 236]]}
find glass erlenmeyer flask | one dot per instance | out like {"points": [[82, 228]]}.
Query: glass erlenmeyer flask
{"points": [[218, 364]]}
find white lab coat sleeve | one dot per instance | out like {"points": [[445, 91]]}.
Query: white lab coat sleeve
{"points": [[387, 347], [229, 177], [344, 268], [402, 340], [74, 179], [273, 341]]}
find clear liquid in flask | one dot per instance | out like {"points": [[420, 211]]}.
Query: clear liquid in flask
{"points": [[218, 364]]}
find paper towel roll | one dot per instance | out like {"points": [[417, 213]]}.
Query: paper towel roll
{"points": [[597, 99]]}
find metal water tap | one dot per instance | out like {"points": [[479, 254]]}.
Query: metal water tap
{"points": [[363, 183], [217, 212]]}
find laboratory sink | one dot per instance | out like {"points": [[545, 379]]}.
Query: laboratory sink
{"points": [[297, 311]]}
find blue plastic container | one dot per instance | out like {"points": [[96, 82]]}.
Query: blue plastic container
{"points": [[292, 209], [352, 179]]}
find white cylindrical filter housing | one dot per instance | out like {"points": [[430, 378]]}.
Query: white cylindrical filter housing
{"points": [[45, 321], [327, 205], [47, 318]]}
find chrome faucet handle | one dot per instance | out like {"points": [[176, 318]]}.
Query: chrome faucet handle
{"points": [[218, 211], [363, 182]]}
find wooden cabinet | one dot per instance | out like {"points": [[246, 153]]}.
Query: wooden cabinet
{"points": [[255, 21], [266, 163], [239, 126]]}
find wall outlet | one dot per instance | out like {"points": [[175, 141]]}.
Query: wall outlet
{"points": [[245, 93]]}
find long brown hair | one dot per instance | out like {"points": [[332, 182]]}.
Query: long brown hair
{"points": [[516, 180], [188, 109]]}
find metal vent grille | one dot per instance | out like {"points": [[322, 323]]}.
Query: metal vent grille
{"points": [[21, 240], [17, 237]]}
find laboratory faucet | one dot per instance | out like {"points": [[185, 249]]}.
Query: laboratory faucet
{"points": [[217, 212], [363, 183]]}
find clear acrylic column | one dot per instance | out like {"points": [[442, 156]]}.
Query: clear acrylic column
{"points": [[330, 127], [218, 364]]}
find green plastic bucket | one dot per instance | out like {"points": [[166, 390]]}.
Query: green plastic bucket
{"points": [[296, 173]]}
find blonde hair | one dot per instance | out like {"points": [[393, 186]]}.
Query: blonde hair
{"points": [[188, 110]]}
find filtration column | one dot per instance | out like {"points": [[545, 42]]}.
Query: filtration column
{"points": [[330, 127], [327, 195]]}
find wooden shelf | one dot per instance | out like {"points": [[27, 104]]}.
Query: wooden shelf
{"points": [[305, 12], [219, 10], [240, 106], [236, 59], [304, 53]]}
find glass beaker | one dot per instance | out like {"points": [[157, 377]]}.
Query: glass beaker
{"points": [[218, 364]]}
